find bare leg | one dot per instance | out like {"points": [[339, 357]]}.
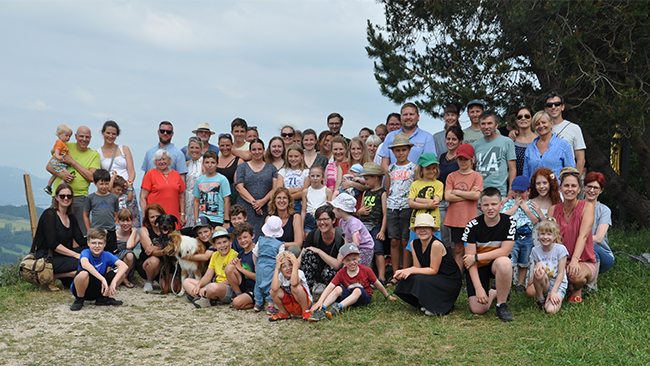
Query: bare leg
{"points": [[580, 280], [152, 267], [300, 295], [521, 275], [502, 270], [380, 262], [352, 299], [234, 278], [129, 258], [459, 251], [81, 282], [395, 253], [406, 256], [277, 297]]}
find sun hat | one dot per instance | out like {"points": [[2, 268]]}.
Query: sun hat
{"points": [[273, 227], [357, 168], [401, 139], [480, 102], [371, 168], [466, 151], [424, 220], [203, 126], [345, 202], [520, 183], [201, 222], [348, 249], [221, 231], [427, 159]]}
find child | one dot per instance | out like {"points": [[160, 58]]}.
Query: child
{"points": [[426, 192], [203, 231], [240, 146], [522, 211], [104, 207], [544, 193], [59, 151], [289, 288], [462, 191], [118, 185], [314, 196], [350, 287], [238, 216], [241, 271], [94, 280], [398, 213], [214, 285], [265, 251], [489, 238], [127, 238], [549, 283], [212, 192], [373, 213], [354, 175], [294, 175], [354, 230]]}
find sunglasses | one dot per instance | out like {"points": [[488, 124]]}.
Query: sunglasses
{"points": [[554, 104], [166, 132], [254, 128], [65, 196], [195, 139], [290, 134], [224, 135], [526, 116]]}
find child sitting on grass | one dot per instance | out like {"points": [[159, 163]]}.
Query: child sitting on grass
{"points": [[241, 271], [289, 288], [350, 287], [238, 216]]}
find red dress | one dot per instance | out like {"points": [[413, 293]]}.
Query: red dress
{"points": [[164, 191], [569, 231]]}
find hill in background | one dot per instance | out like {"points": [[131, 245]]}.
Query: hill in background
{"points": [[15, 232], [13, 188]]}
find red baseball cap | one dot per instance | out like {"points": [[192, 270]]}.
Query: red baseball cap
{"points": [[466, 151]]}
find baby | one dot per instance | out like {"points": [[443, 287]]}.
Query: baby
{"points": [[354, 175]]}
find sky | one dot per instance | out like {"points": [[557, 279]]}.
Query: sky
{"points": [[142, 62]]}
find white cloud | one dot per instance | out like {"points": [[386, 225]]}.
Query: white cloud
{"points": [[39, 105], [83, 95]]}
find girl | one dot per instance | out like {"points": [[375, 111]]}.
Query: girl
{"points": [[549, 283], [426, 193], [127, 238], [339, 165], [544, 193], [324, 144], [295, 175], [355, 231], [275, 153], [309, 141], [314, 196]]}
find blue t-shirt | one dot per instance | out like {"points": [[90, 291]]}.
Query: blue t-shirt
{"points": [[100, 263], [248, 284], [211, 192]]}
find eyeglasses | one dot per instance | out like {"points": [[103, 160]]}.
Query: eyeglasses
{"points": [[65, 196], [526, 116], [334, 123], [165, 132], [592, 188], [290, 134], [323, 220], [554, 104], [254, 128]]}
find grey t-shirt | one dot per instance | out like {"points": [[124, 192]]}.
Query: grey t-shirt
{"points": [[102, 210], [603, 215], [401, 177], [492, 161]]}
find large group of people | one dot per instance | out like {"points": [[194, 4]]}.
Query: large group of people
{"points": [[307, 223]]}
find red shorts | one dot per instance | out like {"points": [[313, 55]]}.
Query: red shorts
{"points": [[291, 304]]}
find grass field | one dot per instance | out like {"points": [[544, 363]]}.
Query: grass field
{"points": [[18, 225]]}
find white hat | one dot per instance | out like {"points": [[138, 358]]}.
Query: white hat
{"points": [[273, 227]]}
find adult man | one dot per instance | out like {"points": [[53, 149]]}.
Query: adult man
{"points": [[473, 132], [203, 132], [422, 140], [165, 134], [495, 155], [565, 129], [83, 162], [334, 123]]}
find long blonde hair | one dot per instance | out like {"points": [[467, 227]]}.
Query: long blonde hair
{"points": [[550, 225]]}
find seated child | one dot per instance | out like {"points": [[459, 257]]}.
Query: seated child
{"points": [[265, 251], [350, 287], [127, 238], [59, 151], [95, 280], [203, 231], [241, 271], [204, 292], [353, 175], [237, 214], [289, 288]]}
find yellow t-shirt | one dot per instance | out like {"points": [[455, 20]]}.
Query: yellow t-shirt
{"points": [[428, 190], [219, 263]]}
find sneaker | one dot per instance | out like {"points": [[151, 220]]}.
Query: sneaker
{"points": [[77, 304], [48, 190], [257, 308], [189, 297], [107, 301], [279, 316], [271, 309], [540, 304], [148, 287], [503, 313], [521, 288], [334, 310], [428, 313], [318, 315], [202, 302], [306, 314]]}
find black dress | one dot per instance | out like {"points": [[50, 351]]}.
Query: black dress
{"points": [[51, 232], [436, 293]]}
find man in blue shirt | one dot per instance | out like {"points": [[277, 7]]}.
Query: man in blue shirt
{"points": [[203, 132], [165, 134]]}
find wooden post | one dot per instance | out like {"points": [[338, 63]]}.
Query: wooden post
{"points": [[29, 194]]}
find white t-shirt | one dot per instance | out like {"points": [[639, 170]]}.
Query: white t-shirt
{"points": [[294, 178], [550, 260], [572, 133], [286, 283]]}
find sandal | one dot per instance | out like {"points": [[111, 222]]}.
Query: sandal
{"points": [[392, 282], [128, 284], [575, 299], [52, 287]]}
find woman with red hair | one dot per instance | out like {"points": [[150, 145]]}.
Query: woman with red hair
{"points": [[594, 185]]}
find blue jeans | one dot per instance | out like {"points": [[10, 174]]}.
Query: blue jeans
{"points": [[310, 223], [520, 253], [606, 261]]}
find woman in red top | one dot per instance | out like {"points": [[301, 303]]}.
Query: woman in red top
{"points": [[576, 219], [164, 186]]}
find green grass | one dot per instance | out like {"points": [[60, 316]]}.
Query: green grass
{"points": [[17, 224]]}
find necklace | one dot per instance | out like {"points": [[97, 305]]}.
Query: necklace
{"points": [[164, 176], [568, 213]]}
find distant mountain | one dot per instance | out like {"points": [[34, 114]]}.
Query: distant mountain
{"points": [[13, 188]]}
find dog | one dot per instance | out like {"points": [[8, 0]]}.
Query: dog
{"points": [[181, 246], [168, 236]]}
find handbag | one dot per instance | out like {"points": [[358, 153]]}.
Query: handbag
{"points": [[38, 272]]}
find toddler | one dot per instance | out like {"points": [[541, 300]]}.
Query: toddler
{"points": [[59, 151]]}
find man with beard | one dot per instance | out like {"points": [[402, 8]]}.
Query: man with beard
{"points": [[165, 134]]}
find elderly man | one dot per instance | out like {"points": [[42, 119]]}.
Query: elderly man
{"points": [[204, 133], [83, 162], [165, 134]]}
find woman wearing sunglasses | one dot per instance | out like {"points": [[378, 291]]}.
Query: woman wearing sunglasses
{"points": [[523, 121], [288, 134], [547, 150]]}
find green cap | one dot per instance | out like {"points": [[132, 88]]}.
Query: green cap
{"points": [[427, 159]]}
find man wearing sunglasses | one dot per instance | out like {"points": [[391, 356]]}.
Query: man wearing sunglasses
{"points": [[204, 133], [165, 134], [566, 130]]}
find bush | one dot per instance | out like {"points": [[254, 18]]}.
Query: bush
{"points": [[10, 274]]}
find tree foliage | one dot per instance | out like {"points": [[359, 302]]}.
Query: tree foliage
{"points": [[512, 53]]}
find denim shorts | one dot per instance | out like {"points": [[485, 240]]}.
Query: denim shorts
{"points": [[398, 223], [310, 223], [363, 300], [379, 245], [520, 253]]}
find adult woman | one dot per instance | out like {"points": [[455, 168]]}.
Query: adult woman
{"points": [[115, 158], [547, 150], [576, 219], [275, 153], [594, 184], [320, 259], [164, 186], [451, 114], [339, 165], [309, 141], [148, 264], [58, 232], [294, 175], [325, 144], [194, 171], [365, 133], [228, 163], [281, 205], [434, 281], [453, 139], [372, 144], [256, 180], [288, 133], [524, 137]]}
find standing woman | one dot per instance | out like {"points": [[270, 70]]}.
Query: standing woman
{"points": [[576, 220], [339, 165], [453, 139], [452, 113], [594, 184], [275, 153], [547, 150], [228, 163], [372, 144], [194, 171], [309, 141], [325, 144], [357, 154], [281, 205], [163, 185], [525, 136], [116, 158], [256, 180]]}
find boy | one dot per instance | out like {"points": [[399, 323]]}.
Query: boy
{"points": [[462, 190], [401, 175], [95, 280], [350, 287], [521, 210], [373, 212], [238, 216], [203, 231], [206, 292], [265, 251], [241, 271], [212, 192], [59, 151], [104, 207], [289, 288], [489, 238], [127, 238], [238, 129]]}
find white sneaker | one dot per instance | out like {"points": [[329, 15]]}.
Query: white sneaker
{"points": [[148, 286]]}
